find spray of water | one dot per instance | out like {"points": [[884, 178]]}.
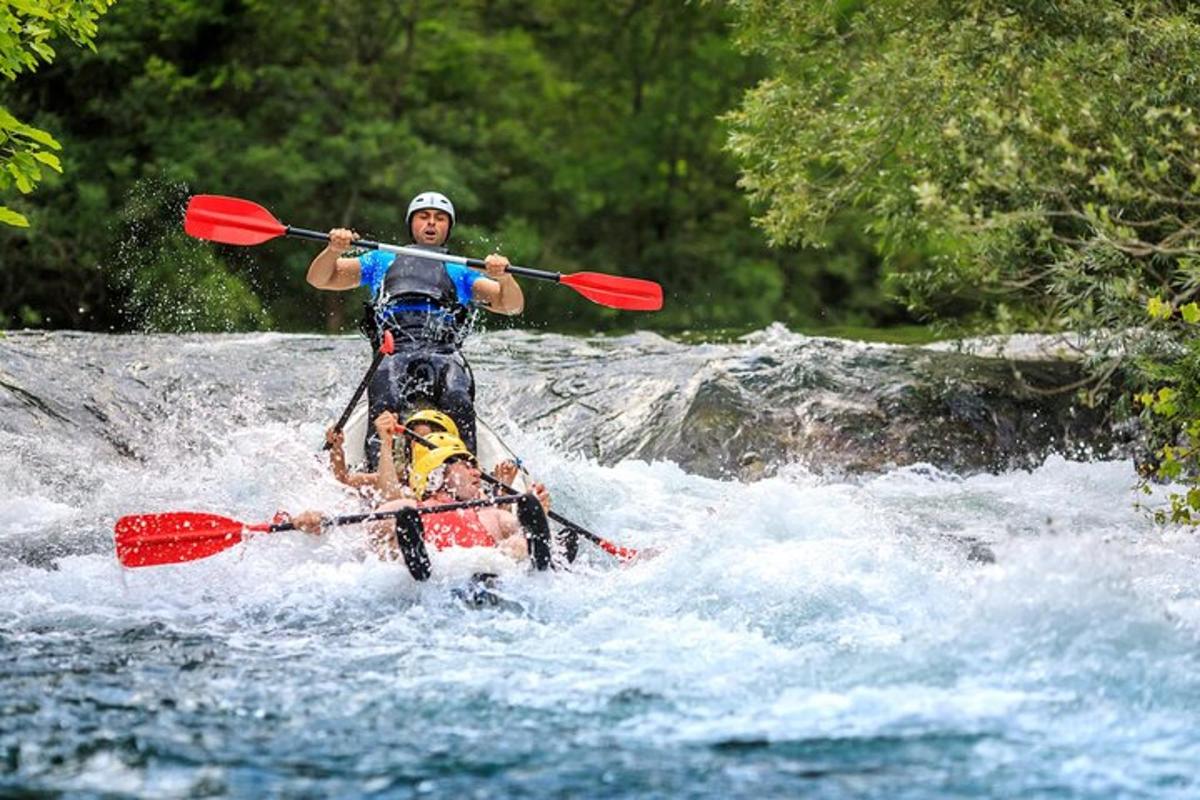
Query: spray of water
{"points": [[799, 633]]}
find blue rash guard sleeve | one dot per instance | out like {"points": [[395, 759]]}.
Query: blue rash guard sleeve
{"points": [[374, 266], [464, 281]]}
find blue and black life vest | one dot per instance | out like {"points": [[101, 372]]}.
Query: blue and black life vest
{"points": [[418, 302]]}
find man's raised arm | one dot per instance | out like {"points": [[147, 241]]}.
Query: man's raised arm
{"points": [[329, 270]]}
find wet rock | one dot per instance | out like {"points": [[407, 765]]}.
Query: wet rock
{"points": [[740, 409]]}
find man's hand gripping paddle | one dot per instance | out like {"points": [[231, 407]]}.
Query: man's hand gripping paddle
{"points": [[231, 220]]}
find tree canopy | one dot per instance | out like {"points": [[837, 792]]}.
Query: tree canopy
{"points": [[27, 31], [572, 136], [1042, 159]]}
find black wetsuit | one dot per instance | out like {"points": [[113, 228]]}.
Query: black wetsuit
{"points": [[419, 304]]}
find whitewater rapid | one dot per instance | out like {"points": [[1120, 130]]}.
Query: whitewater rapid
{"points": [[806, 633]]}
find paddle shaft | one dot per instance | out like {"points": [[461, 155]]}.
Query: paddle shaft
{"points": [[351, 519], [232, 220], [362, 387], [385, 348], [176, 537], [604, 544], [476, 263]]}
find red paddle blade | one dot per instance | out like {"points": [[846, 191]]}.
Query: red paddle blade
{"points": [[230, 220], [623, 553], [614, 291], [146, 540]]}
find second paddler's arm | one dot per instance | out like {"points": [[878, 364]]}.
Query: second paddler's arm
{"points": [[337, 462], [499, 290], [507, 523], [381, 534], [387, 482], [329, 270]]}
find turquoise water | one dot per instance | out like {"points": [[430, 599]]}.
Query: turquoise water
{"points": [[801, 635]]}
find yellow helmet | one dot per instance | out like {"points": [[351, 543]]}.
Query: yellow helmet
{"points": [[434, 418], [437, 439], [426, 463]]}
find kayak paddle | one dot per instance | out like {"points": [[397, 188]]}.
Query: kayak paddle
{"points": [[616, 550], [231, 220], [147, 540], [386, 347]]}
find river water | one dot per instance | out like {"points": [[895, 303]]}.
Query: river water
{"points": [[812, 633]]}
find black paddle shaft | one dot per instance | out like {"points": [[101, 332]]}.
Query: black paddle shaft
{"points": [[358, 393], [351, 519]]}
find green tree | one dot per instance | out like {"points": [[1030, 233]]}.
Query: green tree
{"points": [[1045, 157], [27, 28], [573, 136]]}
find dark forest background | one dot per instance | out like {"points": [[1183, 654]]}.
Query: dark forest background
{"points": [[570, 135]]}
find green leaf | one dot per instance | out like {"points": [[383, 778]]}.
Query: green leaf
{"points": [[44, 50], [1158, 308], [10, 217], [1193, 498], [1165, 403], [40, 136], [31, 9], [51, 160], [24, 185]]}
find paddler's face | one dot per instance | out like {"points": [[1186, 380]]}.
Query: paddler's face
{"points": [[462, 479], [430, 226]]}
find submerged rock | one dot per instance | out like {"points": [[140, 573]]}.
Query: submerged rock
{"points": [[775, 398], [740, 409]]}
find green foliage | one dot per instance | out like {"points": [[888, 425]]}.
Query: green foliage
{"points": [[1170, 409], [188, 288], [1044, 158], [1043, 155], [27, 28], [171, 282], [572, 136]]}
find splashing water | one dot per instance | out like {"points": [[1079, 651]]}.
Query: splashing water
{"points": [[797, 635]]}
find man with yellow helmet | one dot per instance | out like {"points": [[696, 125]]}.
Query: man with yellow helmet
{"points": [[426, 422], [449, 473], [445, 473]]}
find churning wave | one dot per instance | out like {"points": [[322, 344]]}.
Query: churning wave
{"points": [[800, 630]]}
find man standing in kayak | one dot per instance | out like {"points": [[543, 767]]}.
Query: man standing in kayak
{"points": [[425, 303]]}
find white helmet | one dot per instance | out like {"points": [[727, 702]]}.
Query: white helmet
{"points": [[434, 200]]}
